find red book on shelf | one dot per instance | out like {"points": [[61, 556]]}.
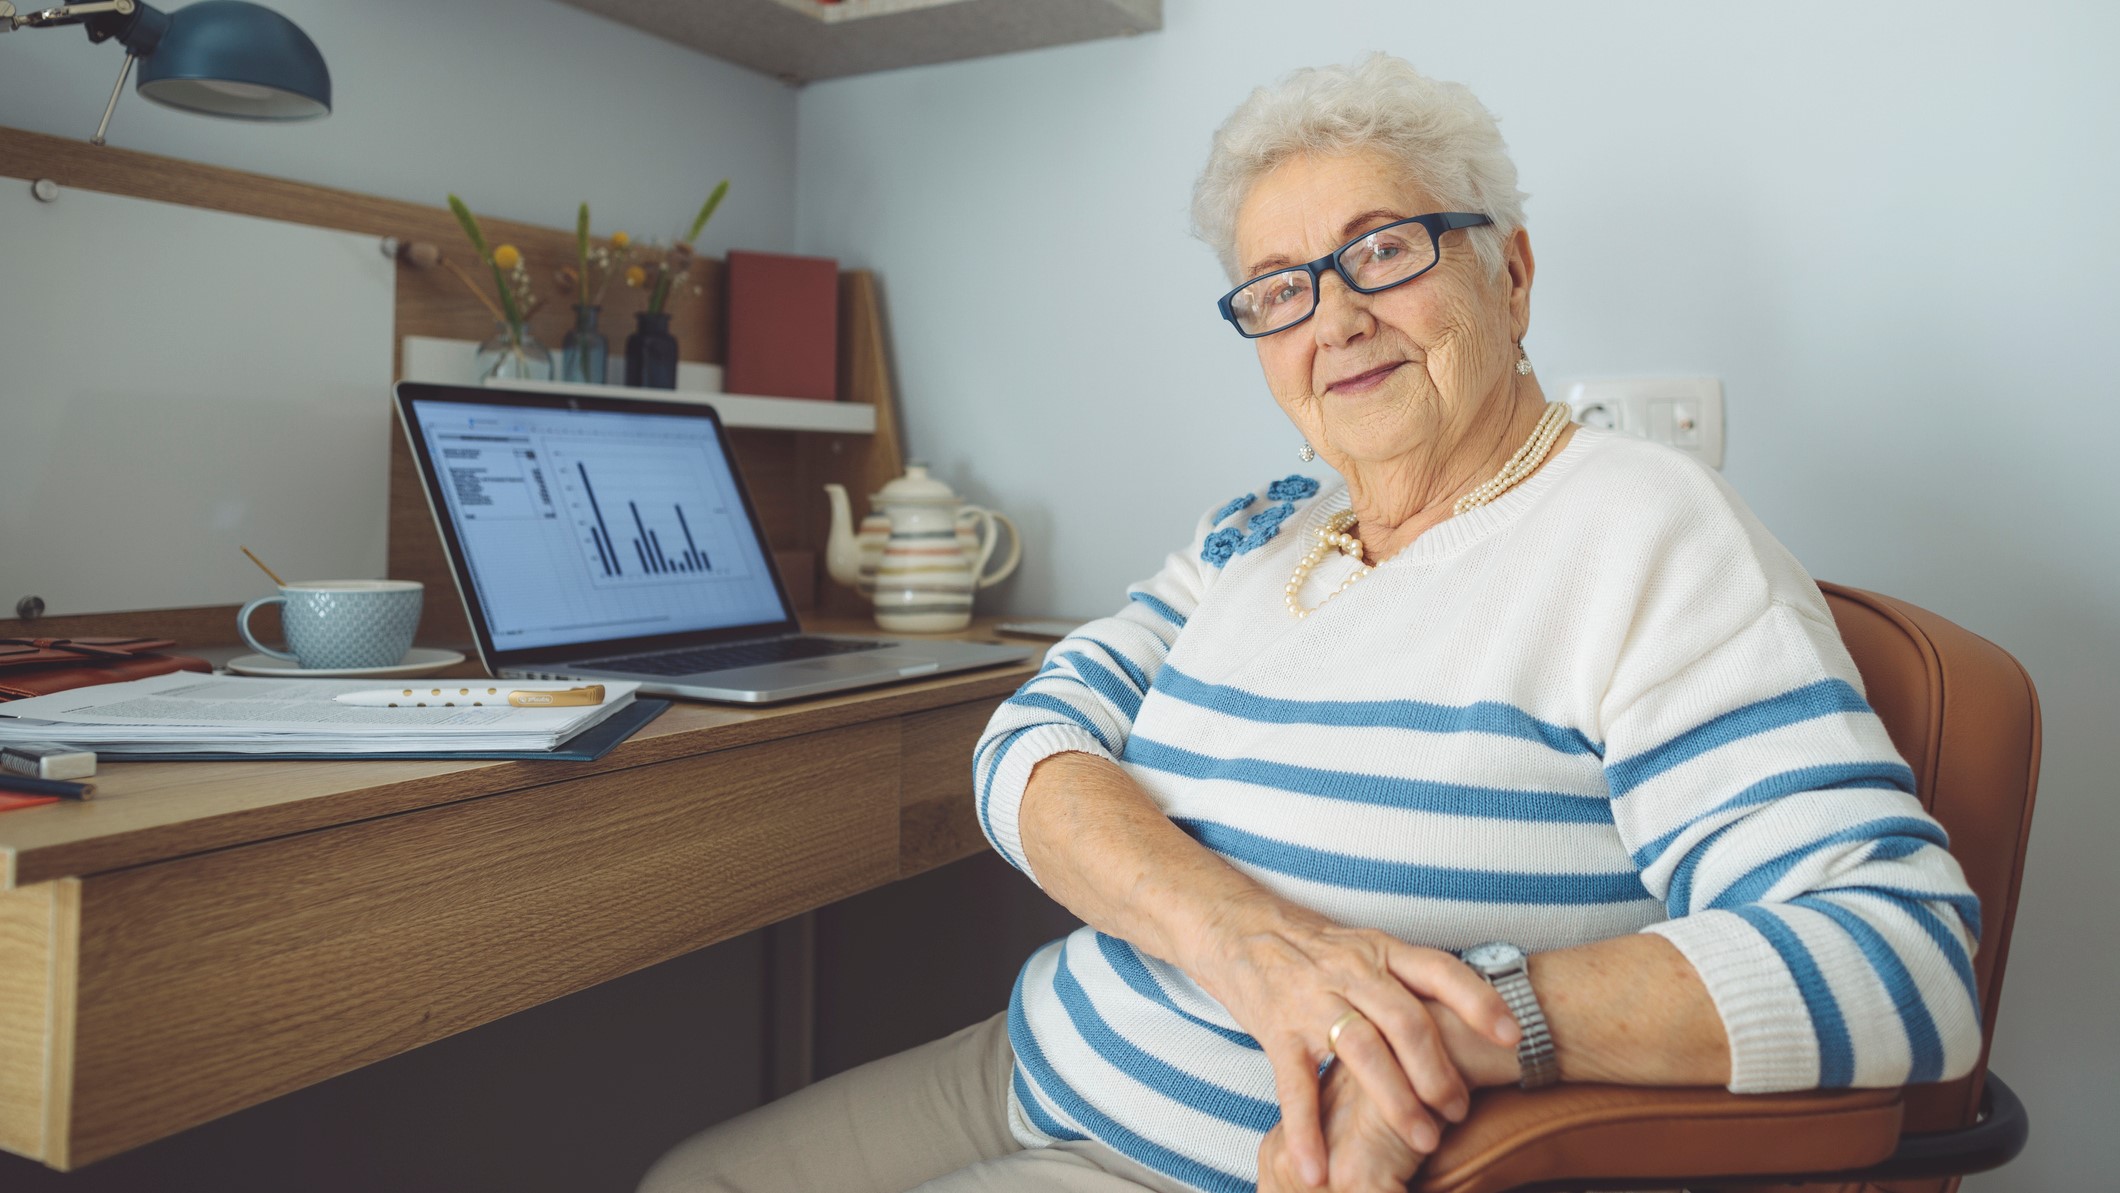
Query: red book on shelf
{"points": [[783, 326]]}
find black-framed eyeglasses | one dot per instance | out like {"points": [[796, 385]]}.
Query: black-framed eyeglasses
{"points": [[1378, 259]]}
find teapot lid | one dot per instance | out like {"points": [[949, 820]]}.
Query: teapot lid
{"points": [[916, 487]]}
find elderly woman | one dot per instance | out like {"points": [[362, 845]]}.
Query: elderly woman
{"points": [[1526, 754]]}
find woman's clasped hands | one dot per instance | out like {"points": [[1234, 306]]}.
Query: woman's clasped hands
{"points": [[1364, 1152], [1288, 977]]}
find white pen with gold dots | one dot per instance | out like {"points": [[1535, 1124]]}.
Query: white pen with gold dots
{"points": [[463, 695]]}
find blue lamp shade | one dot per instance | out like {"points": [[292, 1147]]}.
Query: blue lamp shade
{"points": [[229, 58]]}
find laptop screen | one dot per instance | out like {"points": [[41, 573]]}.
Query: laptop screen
{"points": [[583, 521]]}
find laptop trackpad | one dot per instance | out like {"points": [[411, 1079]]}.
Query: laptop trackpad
{"points": [[863, 664]]}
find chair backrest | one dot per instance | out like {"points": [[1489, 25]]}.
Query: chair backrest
{"points": [[1964, 714]]}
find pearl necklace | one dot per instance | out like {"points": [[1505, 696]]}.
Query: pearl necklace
{"points": [[1334, 535], [1523, 463]]}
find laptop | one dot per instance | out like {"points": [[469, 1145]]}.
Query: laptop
{"points": [[612, 538]]}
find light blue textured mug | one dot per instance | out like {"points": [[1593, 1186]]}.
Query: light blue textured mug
{"points": [[341, 625]]}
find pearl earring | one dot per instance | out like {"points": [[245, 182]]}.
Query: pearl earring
{"points": [[1523, 362], [1305, 454]]}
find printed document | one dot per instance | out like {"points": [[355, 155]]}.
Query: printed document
{"points": [[191, 713]]}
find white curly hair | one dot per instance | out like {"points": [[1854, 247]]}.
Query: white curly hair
{"points": [[1438, 132]]}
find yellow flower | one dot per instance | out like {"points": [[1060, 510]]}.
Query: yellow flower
{"points": [[507, 256], [620, 240], [636, 276]]}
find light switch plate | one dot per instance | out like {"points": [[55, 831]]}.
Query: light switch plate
{"points": [[1684, 412]]}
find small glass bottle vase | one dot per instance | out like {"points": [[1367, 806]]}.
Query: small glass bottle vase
{"points": [[584, 355], [651, 352], [513, 354]]}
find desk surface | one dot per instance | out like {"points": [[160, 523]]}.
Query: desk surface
{"points": [[204, 936], [148, 812]]}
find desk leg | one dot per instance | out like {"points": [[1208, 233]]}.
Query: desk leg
{"points": [[791, 1005]]}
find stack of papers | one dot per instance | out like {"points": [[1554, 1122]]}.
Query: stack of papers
{"points": [[188, 713]]}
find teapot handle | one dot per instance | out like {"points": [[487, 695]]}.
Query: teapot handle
{"points": [[988, 539]]}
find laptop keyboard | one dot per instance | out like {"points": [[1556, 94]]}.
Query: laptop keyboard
{"points": [[729, 658]]}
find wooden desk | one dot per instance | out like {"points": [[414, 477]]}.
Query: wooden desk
{"points": [[204, 936]]}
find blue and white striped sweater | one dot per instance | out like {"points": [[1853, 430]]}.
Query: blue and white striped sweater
{"points": [[1608, 702]]}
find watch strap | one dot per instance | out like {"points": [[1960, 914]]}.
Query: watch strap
{"points": [[1535, 1056]]}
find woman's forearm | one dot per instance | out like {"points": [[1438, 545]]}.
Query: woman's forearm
{"points": [[1630, 1011], [1103, 850]]}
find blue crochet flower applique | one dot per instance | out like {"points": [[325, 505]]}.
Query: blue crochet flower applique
{"points": [[1237, 505], [1264, 525], [1294, 487], [1259, 529], [1221, 545]]}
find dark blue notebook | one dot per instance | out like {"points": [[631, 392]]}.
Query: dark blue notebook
{"points": [[587, 746]]}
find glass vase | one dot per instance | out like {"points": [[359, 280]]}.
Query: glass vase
{"points": [[513, 354], [651, 352], [584, 354]]}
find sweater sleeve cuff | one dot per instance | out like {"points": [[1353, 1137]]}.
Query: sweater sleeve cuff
{"points": [[1773, 1047], [1004, 790]]}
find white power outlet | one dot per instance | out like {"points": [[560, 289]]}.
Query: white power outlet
{"points": [[1684, 412]]}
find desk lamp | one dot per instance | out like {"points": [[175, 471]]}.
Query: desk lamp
{"points": [[219, 57]]}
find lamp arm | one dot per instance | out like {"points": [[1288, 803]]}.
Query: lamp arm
{"points": [[103, 125], [70, 14], [139, 27]]}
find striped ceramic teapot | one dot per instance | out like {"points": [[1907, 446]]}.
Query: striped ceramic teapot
{"points": [[920, 554]]}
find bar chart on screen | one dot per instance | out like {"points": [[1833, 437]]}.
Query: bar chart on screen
{"points": [[645, 512]]}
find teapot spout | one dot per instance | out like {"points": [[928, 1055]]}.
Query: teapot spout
{"points": [[842, 550]]}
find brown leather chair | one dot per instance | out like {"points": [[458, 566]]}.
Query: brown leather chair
{"points": [[1964, 714]]}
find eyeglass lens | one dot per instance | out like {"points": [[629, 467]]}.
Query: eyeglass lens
{"points": [[1383, 258]]}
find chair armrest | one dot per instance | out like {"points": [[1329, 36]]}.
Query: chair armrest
{"points": [[1616, 1136]]}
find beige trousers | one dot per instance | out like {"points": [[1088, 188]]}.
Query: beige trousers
{"points": [[932, 1118]]}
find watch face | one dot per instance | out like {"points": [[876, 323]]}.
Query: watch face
{"points": [[1493, 955]]}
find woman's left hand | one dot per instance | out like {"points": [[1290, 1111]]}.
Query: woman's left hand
{"points": [[1365, 1154], [1287, 975]]}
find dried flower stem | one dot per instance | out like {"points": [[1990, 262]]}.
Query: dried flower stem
{"points": [[706, 211], [661, 294], [581, 250], [476, 292], [469, 223]]}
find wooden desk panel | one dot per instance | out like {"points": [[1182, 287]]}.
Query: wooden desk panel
{"points": [[937, 817], [28, 920], [214, 982], [214, 935]]}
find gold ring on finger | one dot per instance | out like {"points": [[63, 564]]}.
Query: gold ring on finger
{"points": [[1332, 1034]]}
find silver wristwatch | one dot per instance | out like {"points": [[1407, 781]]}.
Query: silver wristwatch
{"points": [[1506, 966]]}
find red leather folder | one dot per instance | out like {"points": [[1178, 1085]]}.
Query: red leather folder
{"points": [[783, 326], [41, 666]]}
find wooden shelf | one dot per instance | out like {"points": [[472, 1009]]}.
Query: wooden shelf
{"points": [[797, 41], [448, 362]]}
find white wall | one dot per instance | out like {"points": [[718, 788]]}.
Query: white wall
{"points": [[524, 109], [1886, 226]]}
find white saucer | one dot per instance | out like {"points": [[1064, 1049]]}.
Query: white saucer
{"points": [[420, 660]]}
